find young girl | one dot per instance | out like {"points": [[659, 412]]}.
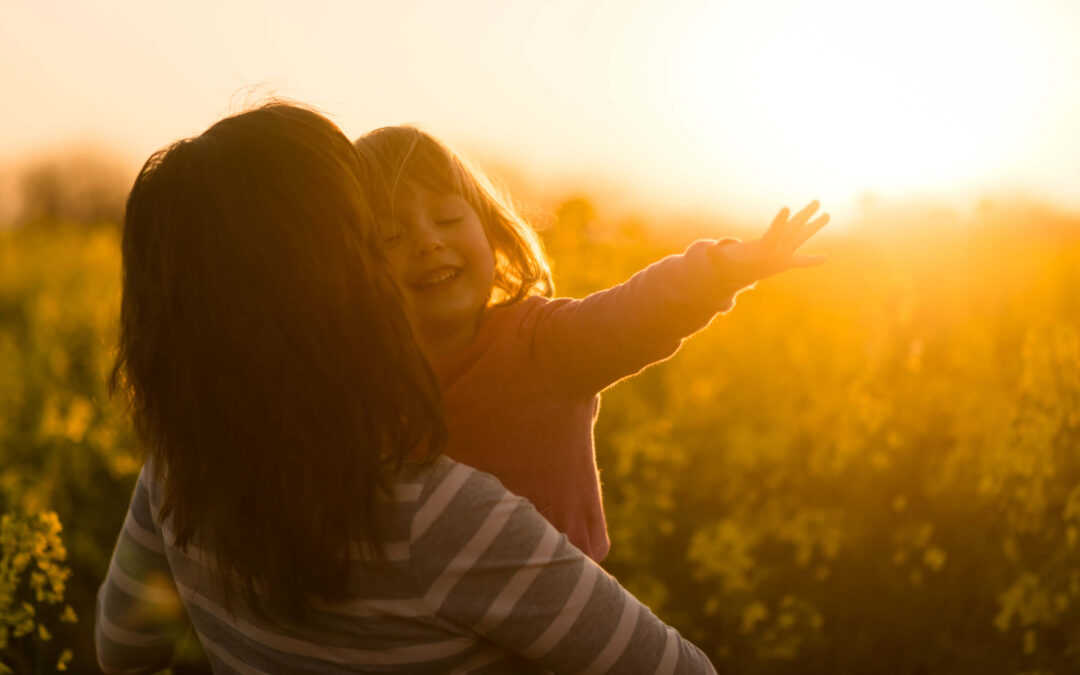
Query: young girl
{"points": [[521, 373]]}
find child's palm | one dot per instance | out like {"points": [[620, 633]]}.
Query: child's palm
{"points": [[774, 252]]}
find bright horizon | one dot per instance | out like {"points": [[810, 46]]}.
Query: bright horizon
{"points": [[687, 106]]}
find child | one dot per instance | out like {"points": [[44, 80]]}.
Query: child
{"points": [[520, 372]]}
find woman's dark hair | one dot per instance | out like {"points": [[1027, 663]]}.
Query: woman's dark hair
{"points": [[406, 154], [272, 375]]}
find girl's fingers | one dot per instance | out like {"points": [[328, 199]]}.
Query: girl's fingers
{"points": [[777, 229], [802, 216], [810, 230]]}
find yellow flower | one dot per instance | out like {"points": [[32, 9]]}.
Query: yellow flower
{"points": [[65, 658]]}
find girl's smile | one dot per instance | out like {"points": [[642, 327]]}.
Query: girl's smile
{"points": [[438, 253], [436, 279]]}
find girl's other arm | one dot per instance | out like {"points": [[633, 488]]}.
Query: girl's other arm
{"points": [[591, 343]]}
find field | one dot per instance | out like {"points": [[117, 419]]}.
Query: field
{"points": [[873, 466]]}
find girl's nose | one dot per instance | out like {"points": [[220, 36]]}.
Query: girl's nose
{"points": [[427, 240]]}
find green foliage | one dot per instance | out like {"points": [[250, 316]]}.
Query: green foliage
{"points": [[873, 466], [869, 467], [65, 447], [32, 581]]}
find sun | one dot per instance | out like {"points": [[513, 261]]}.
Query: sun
{"points": [[851, 96]]}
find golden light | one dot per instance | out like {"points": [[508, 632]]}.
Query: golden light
{"points": [[703, 106], [844, 97]]}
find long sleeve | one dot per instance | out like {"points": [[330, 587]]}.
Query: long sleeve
{"points": [[486, 561], [139, 613], [591, 343]]}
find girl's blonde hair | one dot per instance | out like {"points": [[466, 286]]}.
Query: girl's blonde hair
{"points": [[406, 154]]}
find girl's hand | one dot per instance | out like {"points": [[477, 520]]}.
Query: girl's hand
{"points": [[774, 252]]}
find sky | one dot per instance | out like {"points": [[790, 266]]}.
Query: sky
{"points": [[691, 106]]}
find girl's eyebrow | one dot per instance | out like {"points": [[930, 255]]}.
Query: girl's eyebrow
{"points": [[447, 199]]}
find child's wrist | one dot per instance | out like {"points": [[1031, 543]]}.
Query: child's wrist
{"points": [[734, 270]]}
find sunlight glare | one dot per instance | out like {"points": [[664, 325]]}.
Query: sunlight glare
{"points": [[851, 97]]}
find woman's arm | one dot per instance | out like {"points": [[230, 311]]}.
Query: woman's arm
{"points": [[486, 561], [139, 612]]}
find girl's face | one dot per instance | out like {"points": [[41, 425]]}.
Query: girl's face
{"points": [[439, 255]]}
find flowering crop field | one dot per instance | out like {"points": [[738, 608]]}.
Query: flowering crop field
{"points": [[872, 466]]}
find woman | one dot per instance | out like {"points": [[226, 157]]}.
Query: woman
{"points": [[294, 505]]}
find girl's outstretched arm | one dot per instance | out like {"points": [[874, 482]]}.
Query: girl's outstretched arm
{"points": [[586, 345]]}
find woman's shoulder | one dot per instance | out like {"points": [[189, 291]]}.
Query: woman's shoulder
{"points": [[452, 497], [444, 479]]}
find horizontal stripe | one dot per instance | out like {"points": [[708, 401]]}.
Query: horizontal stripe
{"points": [[190, 551], [138, 589], [616, 644], [144, 479], [466, 559], [571, 610], [353, 607], [129, 637], [506, 602], [391, 656], [227, 658], [438, 501], [408, 612], [670, 658], [408, 608], [145, 538]]}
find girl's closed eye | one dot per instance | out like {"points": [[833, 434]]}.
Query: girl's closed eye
{"points": [[392, 236], [449, 219], [448, 209]]}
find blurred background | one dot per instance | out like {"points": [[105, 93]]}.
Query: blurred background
{"points": [[872, 466]]}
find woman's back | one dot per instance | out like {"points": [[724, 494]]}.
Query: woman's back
{"points": [[472, 578]]}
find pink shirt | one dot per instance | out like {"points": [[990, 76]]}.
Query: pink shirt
{"points": [[522, 398]]}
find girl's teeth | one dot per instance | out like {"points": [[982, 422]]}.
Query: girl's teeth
{"points": [[439, 278]]}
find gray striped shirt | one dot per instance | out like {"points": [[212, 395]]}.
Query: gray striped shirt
{"points": [[474, 580]]}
